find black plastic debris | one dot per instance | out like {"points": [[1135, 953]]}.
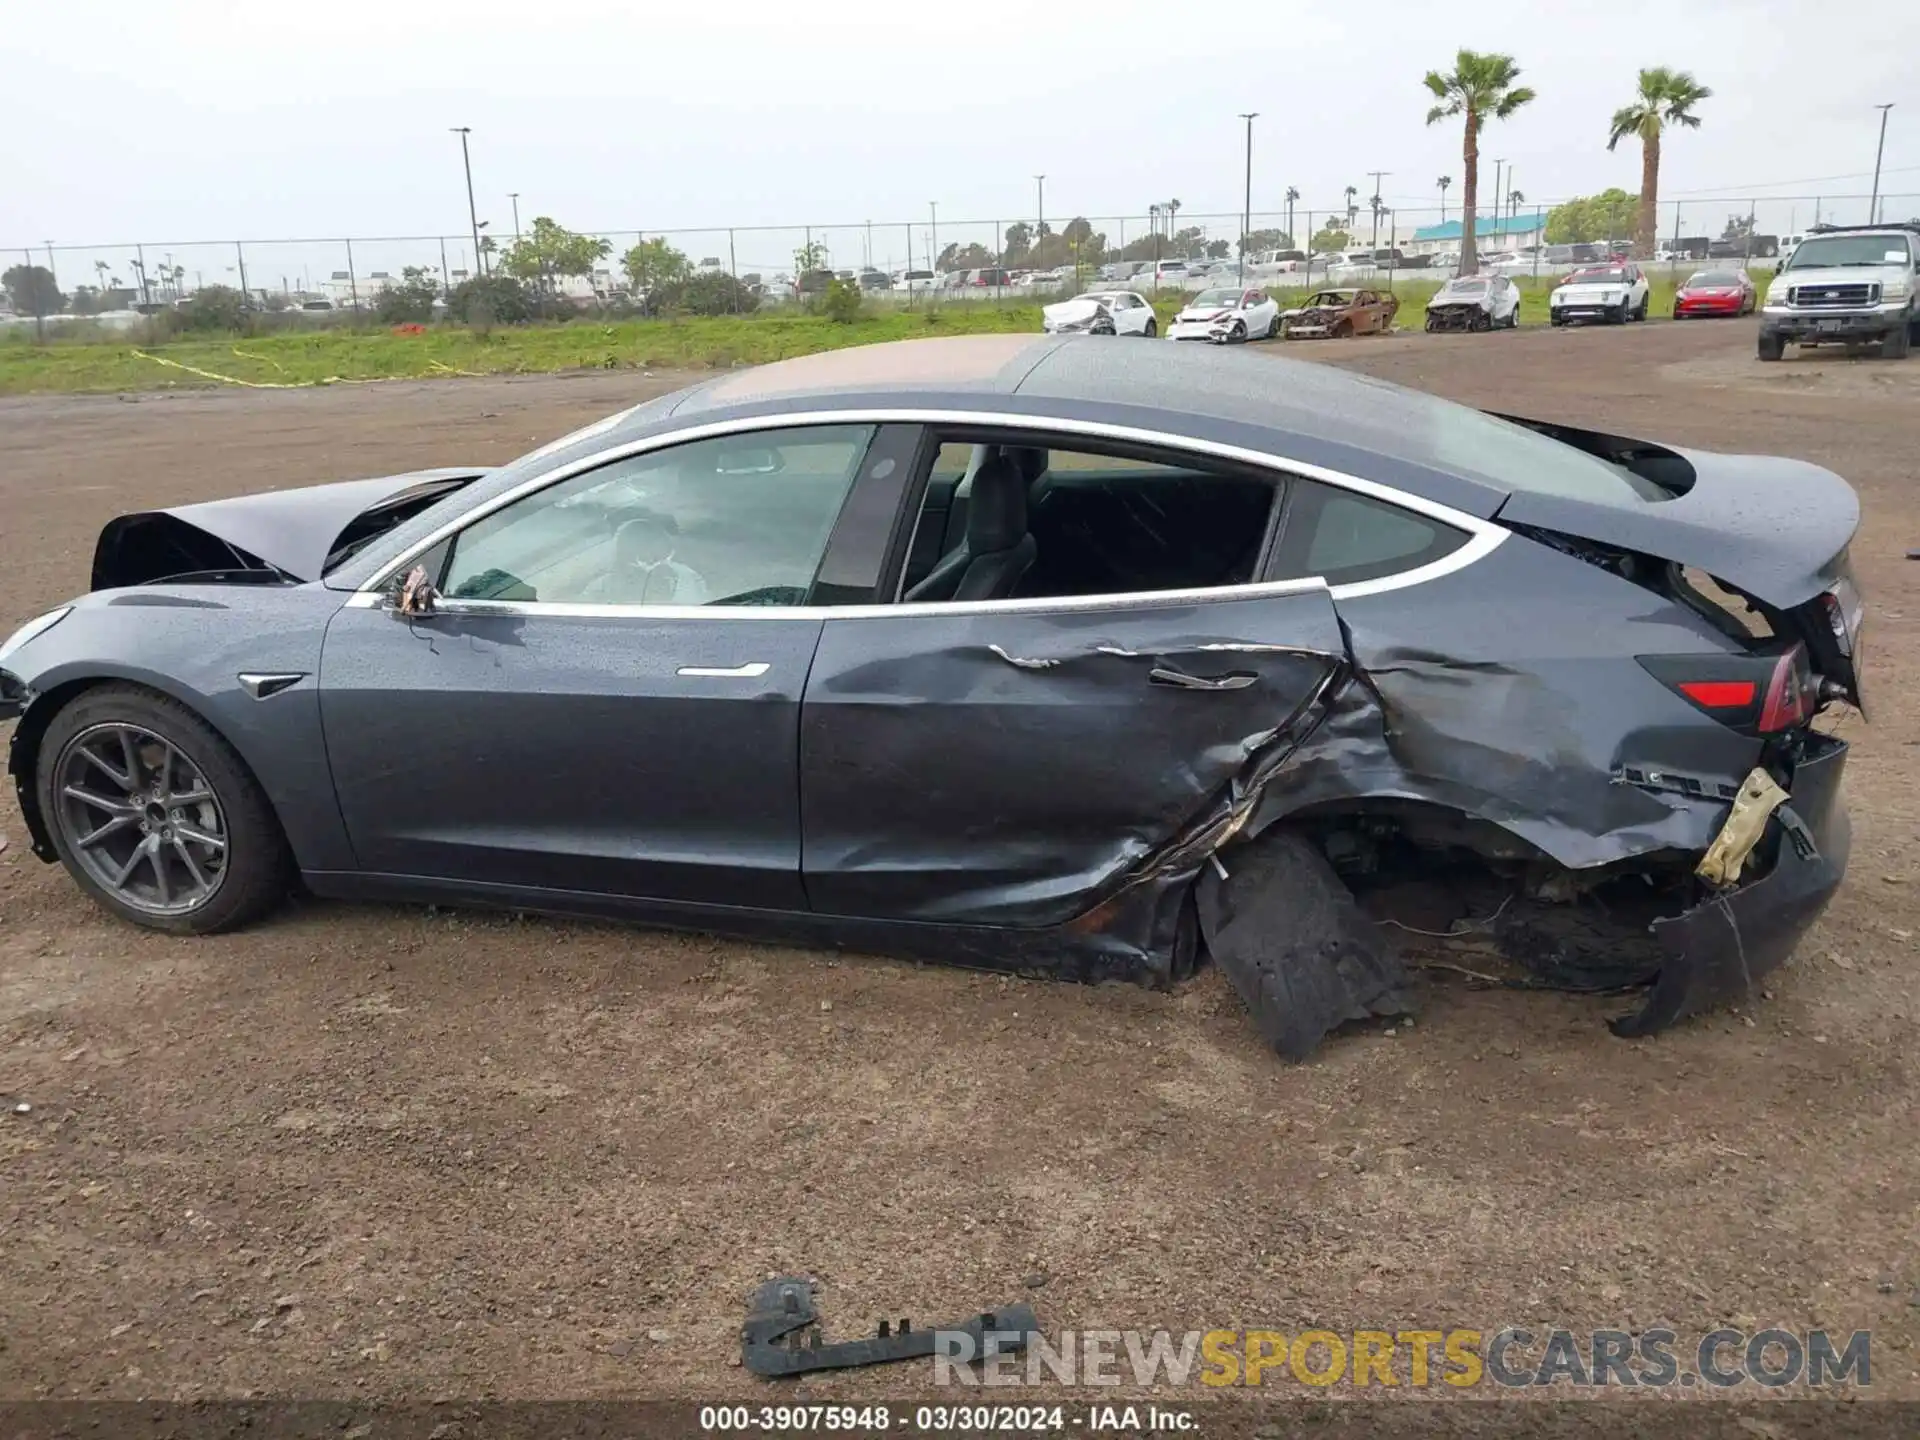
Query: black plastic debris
{"points": [[782, 1334], [1303, 957]]}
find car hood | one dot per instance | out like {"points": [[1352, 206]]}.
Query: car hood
{"points": [[1597, 290], [1447, 295], [292, 531]]}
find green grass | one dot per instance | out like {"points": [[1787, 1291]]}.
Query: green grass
{"points": [[335, 355]]}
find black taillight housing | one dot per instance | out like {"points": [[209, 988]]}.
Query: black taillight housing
{"points": [[1760, 694]]}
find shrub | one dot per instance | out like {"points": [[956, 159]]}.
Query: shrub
{"points": [[409, 302], [214, 307], [711, 292], [494, 299], [842, 303]]}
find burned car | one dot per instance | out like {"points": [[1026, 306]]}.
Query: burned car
{"points": [[1340, 313], [1031, 653], [1474, 302]]}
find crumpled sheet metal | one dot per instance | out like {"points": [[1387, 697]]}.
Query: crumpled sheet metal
{"points": [[1493, 743], [1071, 767]]}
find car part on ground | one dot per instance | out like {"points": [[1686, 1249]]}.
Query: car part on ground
{"points": [[782, 1315], [1846, 285], [1168, 601], [1474, 302]]}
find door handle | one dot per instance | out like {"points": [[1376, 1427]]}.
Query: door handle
{"points": [[1179, 679], [752, 670]]}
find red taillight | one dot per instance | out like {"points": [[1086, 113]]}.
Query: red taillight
{"points": [[1719, 694], [1789, 699]]}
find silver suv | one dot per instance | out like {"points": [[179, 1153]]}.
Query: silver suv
{"points": [[1846, 284]]}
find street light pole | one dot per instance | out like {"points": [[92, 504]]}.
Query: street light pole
{"points": [[933, 237], [473, 215], [1873, 206], [1373, 203], [1040, 206], [1246, 199], [1498, 166], [514, 196]]}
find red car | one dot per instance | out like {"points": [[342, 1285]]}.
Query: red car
{"points": [[1715, 292]]}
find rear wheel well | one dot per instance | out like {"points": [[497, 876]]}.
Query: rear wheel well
{"points": [[1433, 872]]}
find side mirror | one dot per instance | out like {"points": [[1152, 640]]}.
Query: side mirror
{"points": [[415, 595]]}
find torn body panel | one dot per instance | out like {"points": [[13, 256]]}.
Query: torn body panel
{"points": [[1025, 769]]}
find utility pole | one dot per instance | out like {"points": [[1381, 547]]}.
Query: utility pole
{"points": [[1373, 203], [240, 254], [473, 215], [1246, 199], [514, 196], [1498, 166], [1873, 206], [933, 236], [1040, 206]]}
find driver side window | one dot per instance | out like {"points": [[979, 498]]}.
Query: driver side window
{"points": [[736, 520]]}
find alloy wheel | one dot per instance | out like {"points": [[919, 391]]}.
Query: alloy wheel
{"points": [[141, 818]]}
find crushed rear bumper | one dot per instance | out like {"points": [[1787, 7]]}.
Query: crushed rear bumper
{"points": [[1718, 951]]}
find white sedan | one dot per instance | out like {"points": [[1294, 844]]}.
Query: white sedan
{"points": [[1101, 312], [1614, 293], [1227, 317]]}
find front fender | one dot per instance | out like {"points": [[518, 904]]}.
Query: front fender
{"points": [[193, 643]]}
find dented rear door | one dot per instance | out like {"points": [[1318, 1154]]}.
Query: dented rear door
{"points": [[1013, 764]]}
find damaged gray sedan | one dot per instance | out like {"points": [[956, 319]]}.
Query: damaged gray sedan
{"points": [[1030, 653]]}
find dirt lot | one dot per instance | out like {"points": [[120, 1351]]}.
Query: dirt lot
{"points": [[364, 1151]]}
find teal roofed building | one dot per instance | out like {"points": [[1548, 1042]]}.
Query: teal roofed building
{"points": [[1509, 232]]}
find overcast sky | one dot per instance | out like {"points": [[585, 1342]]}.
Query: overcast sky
{"points": [[171, 120]]}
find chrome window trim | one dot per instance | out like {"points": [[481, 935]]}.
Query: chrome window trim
{"points": [[1483, 536]]}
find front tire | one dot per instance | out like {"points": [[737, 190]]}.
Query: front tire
{"points": [[1620, 314], [1237, 335], [156, 817], [1273, 327], [1153, 329], [1772, 347], [1897, 344]]}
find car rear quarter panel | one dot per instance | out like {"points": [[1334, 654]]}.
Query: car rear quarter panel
{"points": [[193, 643], [1508, 691]]}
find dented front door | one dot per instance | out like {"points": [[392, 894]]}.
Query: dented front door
{"points": [[1011, 766]]}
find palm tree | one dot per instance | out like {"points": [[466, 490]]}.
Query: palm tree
{"points": [[1514, 201], [1292, 195], [1443, 182], [1666, 97], [1482, 88]]}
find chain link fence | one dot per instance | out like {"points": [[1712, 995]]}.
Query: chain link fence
{"points": [[325, 276]]}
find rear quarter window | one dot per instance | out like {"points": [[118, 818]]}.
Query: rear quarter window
{"points": [[1346, 538]]}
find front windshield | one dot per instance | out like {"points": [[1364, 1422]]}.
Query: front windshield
{"points": [[1216, 299], [1606, 275], [1467, 287], [1839, 252], [1714, 280]]}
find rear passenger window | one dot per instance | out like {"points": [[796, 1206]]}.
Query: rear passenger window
{"points": [[1347, 538]]}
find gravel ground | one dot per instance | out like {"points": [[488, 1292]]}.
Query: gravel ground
{"points": [[364, 1151]]}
